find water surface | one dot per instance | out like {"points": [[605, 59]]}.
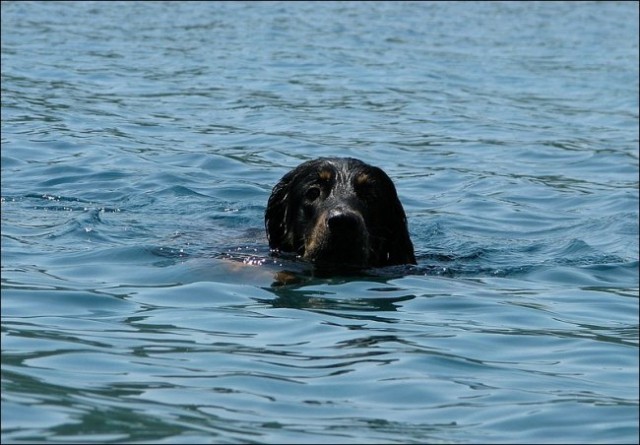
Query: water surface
{"points": [[140, 142]]}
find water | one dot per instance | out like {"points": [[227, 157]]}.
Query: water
{"points": [[140, 142]]}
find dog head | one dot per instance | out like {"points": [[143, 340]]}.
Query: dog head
{"points": [[339, 212]]}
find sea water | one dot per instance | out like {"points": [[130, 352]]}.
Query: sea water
{"points": [[141, 141]]}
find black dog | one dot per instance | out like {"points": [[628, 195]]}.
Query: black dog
{"points": [[339, 213]]}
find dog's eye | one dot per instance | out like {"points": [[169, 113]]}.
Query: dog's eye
{"points": [[312, 194]]}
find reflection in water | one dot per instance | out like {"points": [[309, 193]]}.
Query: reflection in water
{"points": [[305, 288], [299, 298]]}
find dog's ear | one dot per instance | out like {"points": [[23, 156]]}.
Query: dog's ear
{"points": [[397, 247], [277, 216]]}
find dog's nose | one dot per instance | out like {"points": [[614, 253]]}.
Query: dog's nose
{"points": [[344, 222]]}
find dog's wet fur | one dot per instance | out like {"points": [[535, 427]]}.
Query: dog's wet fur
{"points": [[339, 214]]}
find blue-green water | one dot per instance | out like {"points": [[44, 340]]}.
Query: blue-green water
{"points": [[140, 142]]}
